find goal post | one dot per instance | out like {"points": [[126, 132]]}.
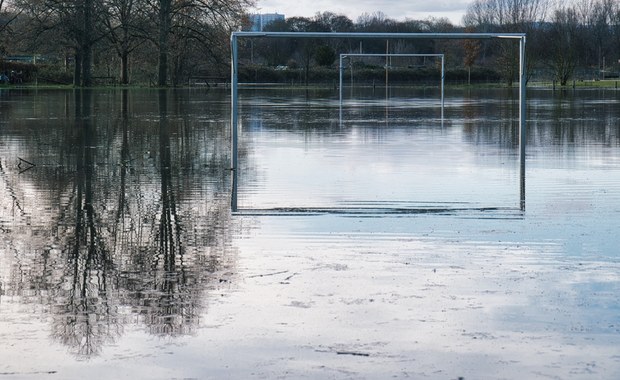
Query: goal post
{"points": [[234, 103], [343, 56]]}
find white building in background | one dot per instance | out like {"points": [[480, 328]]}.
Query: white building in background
{"points": [[259, 21]]}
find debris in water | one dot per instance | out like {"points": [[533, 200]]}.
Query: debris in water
{"points": [[352, 353]]}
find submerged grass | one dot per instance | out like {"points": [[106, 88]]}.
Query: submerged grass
{"points": [[608, 83]]}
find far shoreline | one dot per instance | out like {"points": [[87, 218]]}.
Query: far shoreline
{"points": [[577, 84]]}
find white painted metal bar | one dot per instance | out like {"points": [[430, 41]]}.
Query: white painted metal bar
{"points": [[458, 36], [387, 67], [234, 79], [443, 81], [522, 118], [390, 54], [341, 67], [234, 118], [522, 105]]}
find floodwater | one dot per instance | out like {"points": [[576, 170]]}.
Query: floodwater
{"points": [[373, 240]]}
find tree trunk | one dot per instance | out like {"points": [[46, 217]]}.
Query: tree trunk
{"points": [[77, 71], [124, 68], [87, 78], [87, 44], [164, 34]]}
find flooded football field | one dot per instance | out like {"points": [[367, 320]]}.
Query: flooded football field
{"points": [[372, 239]]}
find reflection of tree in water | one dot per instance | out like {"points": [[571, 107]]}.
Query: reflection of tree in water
{"points": [[84, 314], [172, 307], [140, 229], [500, 126]]}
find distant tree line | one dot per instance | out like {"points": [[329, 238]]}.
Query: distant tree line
{"points": [[167, 42], [564, 40], [564, 37]]}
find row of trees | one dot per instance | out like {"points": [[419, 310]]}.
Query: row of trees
{"points": [[562, 38], [119, 37], [106, 33]]}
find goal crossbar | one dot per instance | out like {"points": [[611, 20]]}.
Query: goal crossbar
{"points": [[234, 103]]}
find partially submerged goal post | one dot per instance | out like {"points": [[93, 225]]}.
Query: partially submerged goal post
{"points": [[389, 55], [234, 102]]}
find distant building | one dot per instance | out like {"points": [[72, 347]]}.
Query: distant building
{"points": [[259, 21]]}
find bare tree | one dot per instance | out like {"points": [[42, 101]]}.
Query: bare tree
{"points": [[564, 49], [334, 22], [192, 17], [75, 24], [7, 15], [125, 22], [517, 16], [274, 51], [306, 48], [615, 25], [602, 32], [600, 28], [472, 51]]}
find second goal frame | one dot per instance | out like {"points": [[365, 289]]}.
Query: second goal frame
{"points": [[389, 55]]}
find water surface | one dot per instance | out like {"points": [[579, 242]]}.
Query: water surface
{"points": [[119, 254]]}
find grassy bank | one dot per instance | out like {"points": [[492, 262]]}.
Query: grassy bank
{"points": [[607, 83]]}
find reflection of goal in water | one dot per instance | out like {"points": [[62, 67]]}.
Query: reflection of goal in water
{"points": [[341, 66], [520, 37]]}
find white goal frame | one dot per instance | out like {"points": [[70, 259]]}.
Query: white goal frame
{"points": [[234, 82], [343, 56]]}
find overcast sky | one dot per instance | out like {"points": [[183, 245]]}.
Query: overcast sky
{"points": [[396, 9]]}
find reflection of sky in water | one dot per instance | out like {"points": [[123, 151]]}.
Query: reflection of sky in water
{"points": [[532, 294], [396, 155], [438, 296], [301, 171]]}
